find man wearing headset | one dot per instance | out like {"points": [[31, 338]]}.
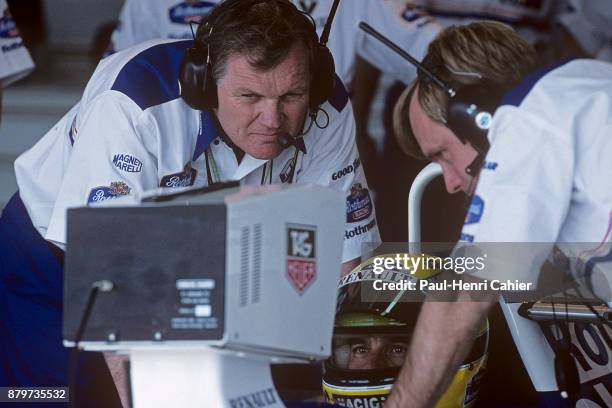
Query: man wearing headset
{"points": [[545, 177], [265, 110]]}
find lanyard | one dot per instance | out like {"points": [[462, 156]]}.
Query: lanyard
{"points": [[213, 176]]}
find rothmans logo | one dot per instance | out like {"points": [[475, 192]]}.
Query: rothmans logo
{"points": [[358, 204], [127, 162]]}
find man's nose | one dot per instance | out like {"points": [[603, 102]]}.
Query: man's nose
{"points": [[452, 180], [382, 360], [271, 114]]}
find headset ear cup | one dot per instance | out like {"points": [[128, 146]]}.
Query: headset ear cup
{"points": [[198, 88], [324, 77], [469, 113], [209, 91]]}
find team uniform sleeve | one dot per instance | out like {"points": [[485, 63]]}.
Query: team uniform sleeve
{"points": [[335, 163], [522, 197], [109, 158], [411, 30], [136, 24], [15, 60]]}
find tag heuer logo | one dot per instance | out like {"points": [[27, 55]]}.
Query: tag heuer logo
{"points": [[301, 256]]}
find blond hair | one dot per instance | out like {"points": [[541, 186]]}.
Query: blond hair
{"points": [[464, 55]]}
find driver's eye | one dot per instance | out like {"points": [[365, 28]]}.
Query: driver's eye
{"points": [[398, 349], [359, 349]]}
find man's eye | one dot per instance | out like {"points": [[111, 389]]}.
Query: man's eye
{"points": [[398, 349], [359, 349], [293, 96], [249, 96]]}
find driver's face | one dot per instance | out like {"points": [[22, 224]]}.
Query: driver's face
{"points": [[377, 352]]}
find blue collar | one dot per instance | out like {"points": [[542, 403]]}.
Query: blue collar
{"points": [[210, 129], [517, 94]]}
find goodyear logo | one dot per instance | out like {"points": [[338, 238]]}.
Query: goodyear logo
{"points": [[190, 12], [347, 170]]}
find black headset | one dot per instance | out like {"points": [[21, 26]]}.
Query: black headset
{"points": [[198, 87], [469, 113]]}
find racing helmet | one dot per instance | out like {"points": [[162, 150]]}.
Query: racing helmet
{"points": [[370, 343]]}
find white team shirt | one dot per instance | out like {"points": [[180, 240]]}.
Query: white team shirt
{"points": [[501, 10], [547, 174], [132, 132], [142, 20], [590, 23], [15, 61], [527, 17]]}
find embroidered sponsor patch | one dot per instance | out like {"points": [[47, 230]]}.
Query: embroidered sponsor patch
{"points": [[358, 204], [475, 212], [190, 11], [360, 229], [301, 256], [185, 178], [103, 193], [347, 170], [8, 28], [127, 162]]}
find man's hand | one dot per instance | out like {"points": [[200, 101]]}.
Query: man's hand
{"points": [[442, 338]]}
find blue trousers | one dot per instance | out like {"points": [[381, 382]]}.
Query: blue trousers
{"points": [[31, 291]]}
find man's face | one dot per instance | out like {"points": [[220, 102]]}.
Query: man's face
{"points": [[440, 145], [256, 107], [377, 352]]}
